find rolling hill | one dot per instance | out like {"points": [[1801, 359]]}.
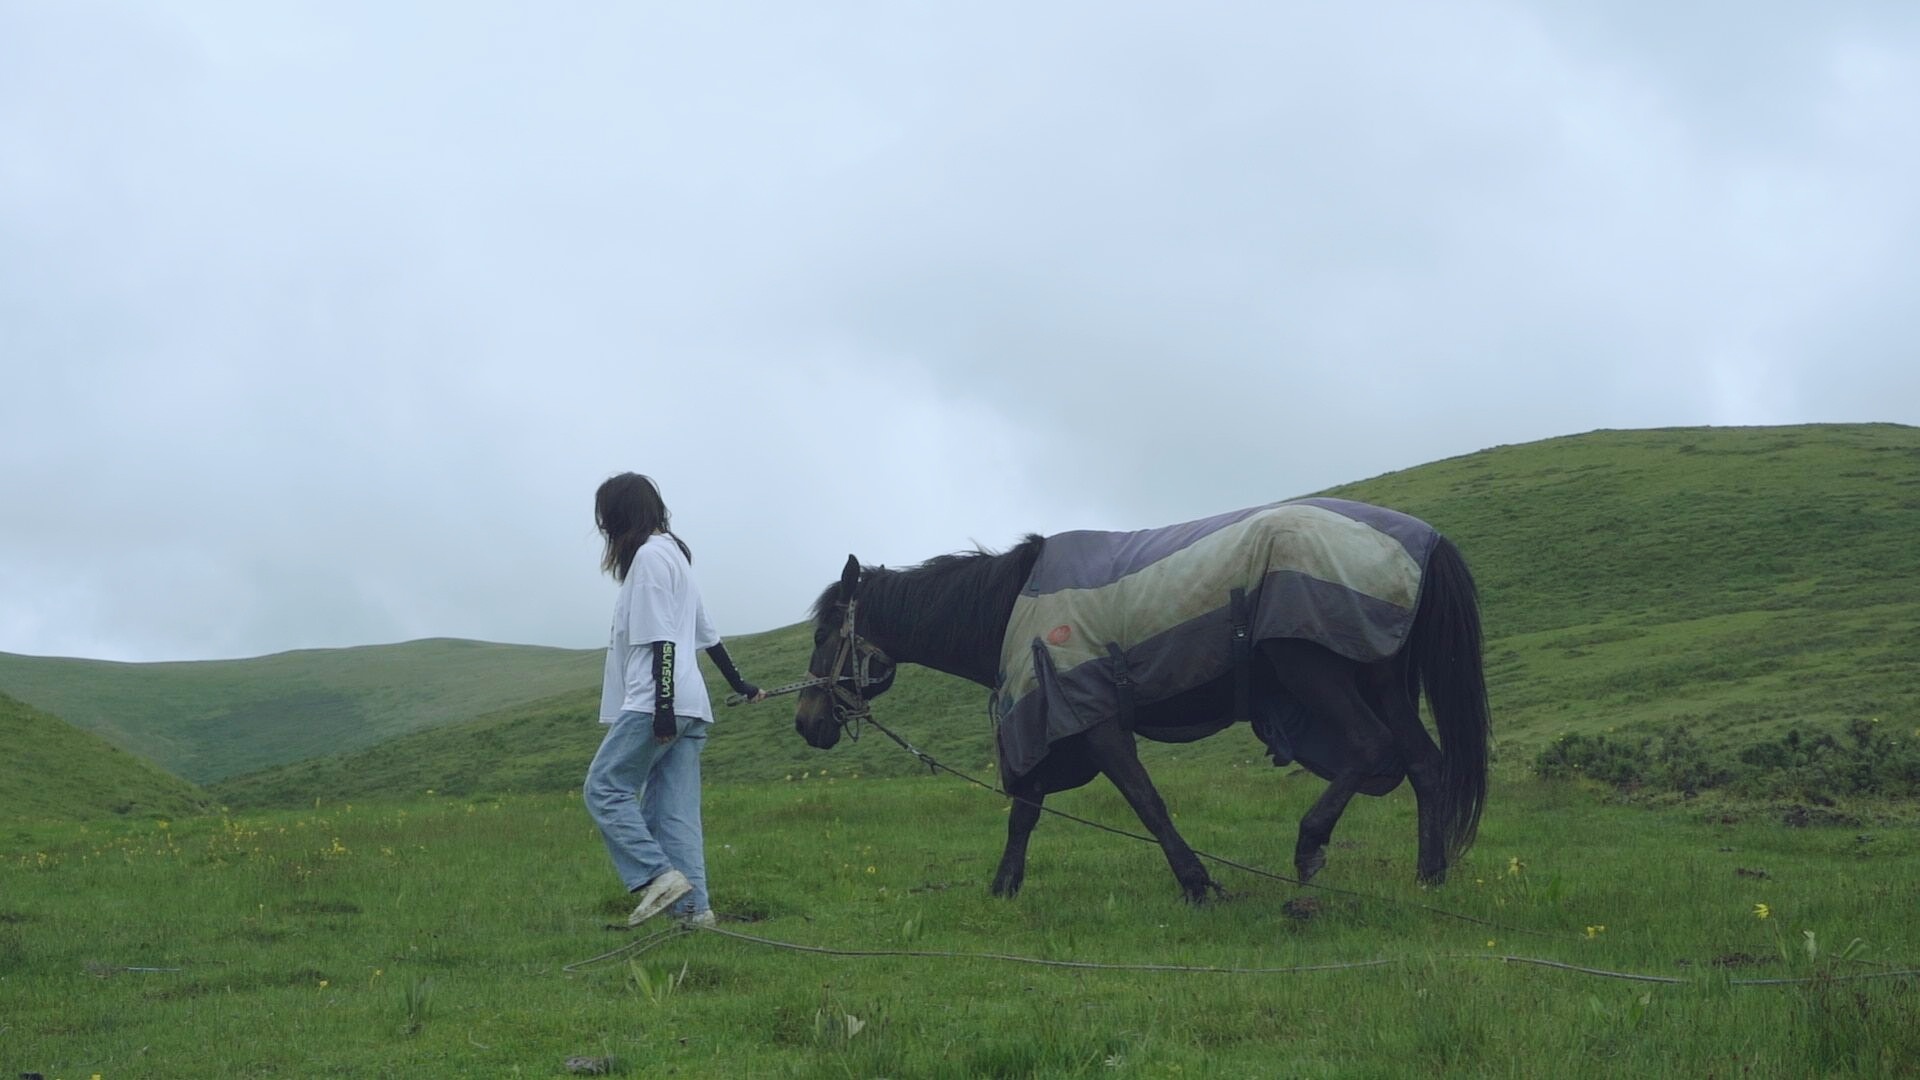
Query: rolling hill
{"points": [[1739, 581], [55, 770], [546, 746], [205, 720]]}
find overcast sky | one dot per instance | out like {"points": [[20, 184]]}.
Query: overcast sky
{"points": [[320, 323]]}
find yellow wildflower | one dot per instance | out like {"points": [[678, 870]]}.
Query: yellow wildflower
{"points": [[1762, 911], [1595, 931], [1515, 866]]}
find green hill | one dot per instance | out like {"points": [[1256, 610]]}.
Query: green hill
{"points": [[206, 720], [546, 746], [56, 771], [1740, 581]]}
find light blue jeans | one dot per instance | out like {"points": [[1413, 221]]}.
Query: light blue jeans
{"points": [[646, 799]]}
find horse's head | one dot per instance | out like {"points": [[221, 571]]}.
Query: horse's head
{"points": [[850, 670]]}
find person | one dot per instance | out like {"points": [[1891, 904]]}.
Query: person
{"points": [[643, 788]]}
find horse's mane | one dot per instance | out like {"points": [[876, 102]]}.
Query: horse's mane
{"points": [[953, 606]]}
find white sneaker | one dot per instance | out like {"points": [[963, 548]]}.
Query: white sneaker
{"points": [[701, 918], [658, 895]]}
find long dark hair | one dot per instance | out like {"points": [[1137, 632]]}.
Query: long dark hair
{"points": [[628, 509]]}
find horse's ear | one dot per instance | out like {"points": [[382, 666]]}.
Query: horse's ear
{"points": [[849, 578]]}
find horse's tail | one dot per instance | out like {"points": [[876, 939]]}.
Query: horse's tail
{"points": [[1446, 662]]}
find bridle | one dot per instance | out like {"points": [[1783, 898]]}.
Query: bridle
{"points": [[852, 672], [849, 676]]}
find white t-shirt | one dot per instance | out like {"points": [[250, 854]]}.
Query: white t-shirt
{"points": [[659, 601]]}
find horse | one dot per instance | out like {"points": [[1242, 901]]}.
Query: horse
{"points": [[1319, 621]]}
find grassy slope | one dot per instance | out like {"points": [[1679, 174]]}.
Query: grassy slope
{"points": [[1737, 580], [212, 719], [545, 746], [55, 770], [1741, 580]]}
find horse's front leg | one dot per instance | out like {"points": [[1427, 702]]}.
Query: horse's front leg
{"points": [[1066, 766], [1117, 755], [1021, 818]]}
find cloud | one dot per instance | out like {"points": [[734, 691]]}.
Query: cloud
{"points": [[319, 323]]}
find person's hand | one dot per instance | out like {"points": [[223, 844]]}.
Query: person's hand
{"points": [[757, 696], [663, 727]]}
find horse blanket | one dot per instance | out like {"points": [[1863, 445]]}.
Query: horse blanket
{"points": [[1153, 614]]}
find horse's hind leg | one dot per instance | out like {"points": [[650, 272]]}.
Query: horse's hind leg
{"points": [[1387, 687], [1114, 751], [1328, 685]]}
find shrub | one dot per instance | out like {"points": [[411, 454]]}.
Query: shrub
{"points": [[1597, 757], [1818, 767], [1681, 763]]}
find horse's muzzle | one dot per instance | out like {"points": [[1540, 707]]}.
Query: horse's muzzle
{"points": [[817, 726], [821, 736]]}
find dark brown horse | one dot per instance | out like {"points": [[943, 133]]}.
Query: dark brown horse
{"points": [[952, 614]]}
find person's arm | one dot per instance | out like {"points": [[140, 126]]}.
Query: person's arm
{"points": [[717, 652], [665, 726]]}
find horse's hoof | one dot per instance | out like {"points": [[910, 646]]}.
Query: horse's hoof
{"points": [[1309, 864], [1432, 878], [1006, 890], [1198, 893]]}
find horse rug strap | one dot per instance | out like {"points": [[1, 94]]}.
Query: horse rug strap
{"points": [[1242, 654], [1111, 622]]}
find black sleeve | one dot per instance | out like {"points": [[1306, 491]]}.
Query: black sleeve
{"points": [[718, 654], [664, 724]]}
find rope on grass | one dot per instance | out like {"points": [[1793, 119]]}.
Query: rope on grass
{"points": [[1674, 980], [662, 936], [1040, 962], [649, 941]]}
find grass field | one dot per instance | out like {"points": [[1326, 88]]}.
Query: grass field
{"points": [[432, 936]]}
